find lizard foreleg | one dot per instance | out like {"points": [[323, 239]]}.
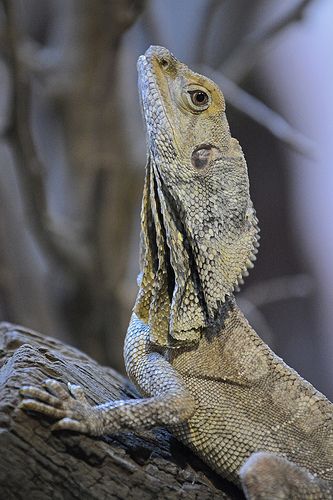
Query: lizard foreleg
{"points": [[168, 402]]}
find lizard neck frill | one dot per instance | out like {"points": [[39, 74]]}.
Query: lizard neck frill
{"points": [[217, 216], [188, 270], [169, 293]]}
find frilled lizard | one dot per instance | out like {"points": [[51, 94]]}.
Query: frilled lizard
{"points": [[202, 370]]}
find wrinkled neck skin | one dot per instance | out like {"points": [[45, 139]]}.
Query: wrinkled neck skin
{"points": [[199, 231]]}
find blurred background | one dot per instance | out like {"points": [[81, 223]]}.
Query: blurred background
{"points": [[72, 156]]}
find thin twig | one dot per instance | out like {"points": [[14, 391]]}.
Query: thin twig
{"points": [[276, 289], [245, 55], [204, 29], [262, 114]]}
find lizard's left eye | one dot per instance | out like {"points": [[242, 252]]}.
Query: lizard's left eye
{"points": [[197, 98]]}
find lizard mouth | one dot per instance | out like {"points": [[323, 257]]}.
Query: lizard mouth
{"points": [[153, 94]]}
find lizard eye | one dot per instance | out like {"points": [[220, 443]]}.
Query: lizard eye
{"points": [[197, 98]]}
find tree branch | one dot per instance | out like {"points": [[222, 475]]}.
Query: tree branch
{"points": [[246, 54]]}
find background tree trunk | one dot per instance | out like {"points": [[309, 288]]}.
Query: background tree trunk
{"points": [[37, 464]]}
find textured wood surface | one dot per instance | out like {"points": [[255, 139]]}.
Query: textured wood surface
{"points": [[36, 464]]}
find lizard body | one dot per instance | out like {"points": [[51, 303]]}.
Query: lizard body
{"points": [[202, 370]]}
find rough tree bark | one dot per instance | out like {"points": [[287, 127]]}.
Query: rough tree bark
{"points": [[37, 464]]}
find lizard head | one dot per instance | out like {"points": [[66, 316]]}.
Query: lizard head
{"points": [[199, 229]]}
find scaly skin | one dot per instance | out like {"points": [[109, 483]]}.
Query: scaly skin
{"points": [[202, 370]]}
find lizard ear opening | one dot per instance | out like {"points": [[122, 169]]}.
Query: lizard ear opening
{"points": [[203, 155]]}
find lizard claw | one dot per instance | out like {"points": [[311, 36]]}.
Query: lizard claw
{"points": [[77, 392], [68, 406], [69, 424], [32, 392], [56, 388], [45, 409]]}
